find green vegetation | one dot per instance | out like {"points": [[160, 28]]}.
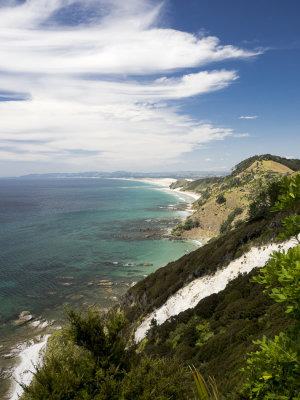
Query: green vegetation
{"points": [[273, 372], [90, 360], [293, 164], [226, 225], [205, 195], [218, 333], [187, 225], [205, 391], [221, 199], [261, 206], [233, 318], [198, 184], [179, 184], [256, 314], [154, 290], [221, 195]]}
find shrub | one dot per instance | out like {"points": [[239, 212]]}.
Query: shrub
{"points": [[221, 199], [91, 360], [273, 371], [226, 225]]}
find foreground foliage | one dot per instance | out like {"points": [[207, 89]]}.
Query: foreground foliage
{"points": [[273, 372], [205, 391], [90, 361]]}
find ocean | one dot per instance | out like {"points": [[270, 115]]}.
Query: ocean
{"points": [[76, 242]]}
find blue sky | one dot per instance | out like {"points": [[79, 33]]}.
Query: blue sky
{"points": [[144, 85]]}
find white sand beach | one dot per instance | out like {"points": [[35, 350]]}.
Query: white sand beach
{"points": [[165, 183]]}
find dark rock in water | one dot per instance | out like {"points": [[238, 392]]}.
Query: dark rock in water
{"points": [[145, 265]]}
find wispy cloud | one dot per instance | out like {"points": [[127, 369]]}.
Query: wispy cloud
{"points": [[90, 98], [248, 116]]}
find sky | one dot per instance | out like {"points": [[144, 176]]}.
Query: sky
{"points": [[147, 85]]}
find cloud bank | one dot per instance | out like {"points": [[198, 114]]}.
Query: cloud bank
{"points": [[97, 84]]}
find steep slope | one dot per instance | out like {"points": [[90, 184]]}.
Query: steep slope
{"points": [[153, 291], [218, 333], [190, 295], [224, 202]]}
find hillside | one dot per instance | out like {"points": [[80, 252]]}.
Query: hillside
{"points": [[224, 201], [217, 332], [155, 289]]}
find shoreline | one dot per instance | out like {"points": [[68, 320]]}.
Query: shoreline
{"points": [[164, 183], [30, 358], [33, 347]]}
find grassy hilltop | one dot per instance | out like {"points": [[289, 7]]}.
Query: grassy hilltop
{"points": [[225, 201]]}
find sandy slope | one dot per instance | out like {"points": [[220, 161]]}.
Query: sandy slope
{"points": [[190, 295]]}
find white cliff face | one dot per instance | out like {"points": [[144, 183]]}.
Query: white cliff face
{"points": [[190, 295]]}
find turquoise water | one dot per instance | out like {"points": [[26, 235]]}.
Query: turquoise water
{"points": [[59, 237]]}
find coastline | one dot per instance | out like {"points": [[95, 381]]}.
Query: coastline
{"points": [[164, 183], [30, 351], [30, 358]]}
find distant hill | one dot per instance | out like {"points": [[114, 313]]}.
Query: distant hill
{"points": [[224, 201], [293, 164], [125, 174]]}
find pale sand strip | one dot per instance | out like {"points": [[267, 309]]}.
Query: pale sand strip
{"points": [[190, 295], [164, 183]]}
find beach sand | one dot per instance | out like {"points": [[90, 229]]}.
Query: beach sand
{"points": [[164, 183]]}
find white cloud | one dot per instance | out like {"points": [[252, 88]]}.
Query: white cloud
{"points": [[248, 116], [123, 42], [85, 107]]}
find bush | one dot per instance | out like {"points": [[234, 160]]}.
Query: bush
{"points": [[261, 206], [221, 199], [155, 378], [91, 360], [226, 225], [273, 372]]}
